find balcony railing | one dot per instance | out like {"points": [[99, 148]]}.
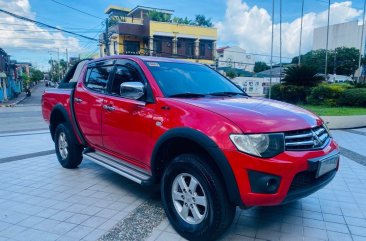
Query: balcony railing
{"points": [[122, 19]]}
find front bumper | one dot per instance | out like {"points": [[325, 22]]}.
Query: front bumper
{"points": [[293, 170]]}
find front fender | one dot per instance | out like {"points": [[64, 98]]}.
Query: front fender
{"points": [[211, 148]]}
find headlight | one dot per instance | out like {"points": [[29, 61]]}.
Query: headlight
{"points": [[262, 145]]}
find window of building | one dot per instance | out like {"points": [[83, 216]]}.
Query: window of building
{"points": [[202, 49], [115, 48], [158, 46], [189, 49], [97, 78], [132, 47]]}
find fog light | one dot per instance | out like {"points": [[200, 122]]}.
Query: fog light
{"points": [[261, 182]]}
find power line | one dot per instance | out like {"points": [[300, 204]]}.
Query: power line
{"points": [[58, 39], [78, 10], [73, 28], [44, 25], [44, 31]]}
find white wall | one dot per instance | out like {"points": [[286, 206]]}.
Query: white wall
{"points": [[340, 35], [235, 54], [255, 86]]}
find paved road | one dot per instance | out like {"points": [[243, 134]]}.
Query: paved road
{"points": [[39, 200], [25, 116]]}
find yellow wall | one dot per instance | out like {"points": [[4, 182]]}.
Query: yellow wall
{"points": [[122, 38], [182, 29], [202, 61]]}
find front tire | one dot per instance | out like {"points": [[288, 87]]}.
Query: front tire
{"points": [[68, 151], [195, 200]]}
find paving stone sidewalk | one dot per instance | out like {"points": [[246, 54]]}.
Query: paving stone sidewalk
{"points": [[40, 200]]}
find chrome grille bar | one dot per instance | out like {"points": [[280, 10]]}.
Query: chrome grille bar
{"points": [[308, 139]]}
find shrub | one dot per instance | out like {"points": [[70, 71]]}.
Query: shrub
{"points": [[289, 93], [353, 97], [327, 94]]}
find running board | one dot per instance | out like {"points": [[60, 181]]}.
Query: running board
{"points": [[120, 166]]}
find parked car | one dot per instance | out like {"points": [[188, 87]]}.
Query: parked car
{"points": [[182, 125]]}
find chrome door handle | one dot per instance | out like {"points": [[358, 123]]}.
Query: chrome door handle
{"points": [[78, 100], [108, 107]]}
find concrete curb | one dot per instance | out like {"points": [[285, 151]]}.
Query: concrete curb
{"points": [[345, 122], [14, 103]]}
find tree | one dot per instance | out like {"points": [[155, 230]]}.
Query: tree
{"points": [[57, 70], [113, 20], [260, 66], [201, 20], [35, 75], [26, 80], [302, 75], [231, 73], [179, 20], [342, 60], [159, 16]]}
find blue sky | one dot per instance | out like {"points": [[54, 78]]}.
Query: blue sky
{"points": [[52, 13]]}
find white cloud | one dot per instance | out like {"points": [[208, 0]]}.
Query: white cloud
{"points": [[250, 27], [35, 37]]}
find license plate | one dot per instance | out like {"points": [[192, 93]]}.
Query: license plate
{"points": [[327, 164]]}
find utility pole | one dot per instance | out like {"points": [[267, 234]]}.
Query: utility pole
{"points": [[302, 18], [51, 69], [270, 73], [362, 38], [106, 38], [67, 59], [326, 48], [59, 69], [280, 40]]}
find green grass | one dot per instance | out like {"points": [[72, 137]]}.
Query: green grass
{"points": [[334, 111]]}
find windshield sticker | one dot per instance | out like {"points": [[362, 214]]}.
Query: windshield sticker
{"points": [[153, 64]]}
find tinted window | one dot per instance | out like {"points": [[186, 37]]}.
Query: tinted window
{"points": [[124, 74], [97, 78], [178, 78]]}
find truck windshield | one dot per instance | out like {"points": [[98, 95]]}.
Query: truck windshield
{"points": [[187, 80]]}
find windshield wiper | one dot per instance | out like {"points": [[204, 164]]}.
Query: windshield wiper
{"points": [[187, 95], [227, 93]]}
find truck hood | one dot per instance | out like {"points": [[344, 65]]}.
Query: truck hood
{"points": [[258, 115]]}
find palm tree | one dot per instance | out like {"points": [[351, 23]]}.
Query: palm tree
{"points": [[302, 75], [202, 20]]}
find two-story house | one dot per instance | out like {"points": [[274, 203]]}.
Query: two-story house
{"points": [[132, 31]]}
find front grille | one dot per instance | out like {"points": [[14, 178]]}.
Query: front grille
{"points": [[307, 179], [308, 139]]}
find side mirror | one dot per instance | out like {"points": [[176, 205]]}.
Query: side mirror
{"points": [[132, 90]]}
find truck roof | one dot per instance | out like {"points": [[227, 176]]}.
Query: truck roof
{"points": [[144, 58]]}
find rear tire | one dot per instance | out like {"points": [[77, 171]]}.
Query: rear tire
{"points": [[68, 150], [209, 211]]}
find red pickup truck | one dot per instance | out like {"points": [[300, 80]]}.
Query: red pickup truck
{"points": [[182, 125]]}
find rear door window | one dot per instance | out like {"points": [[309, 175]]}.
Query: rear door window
{"points": [[97, 78]]}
